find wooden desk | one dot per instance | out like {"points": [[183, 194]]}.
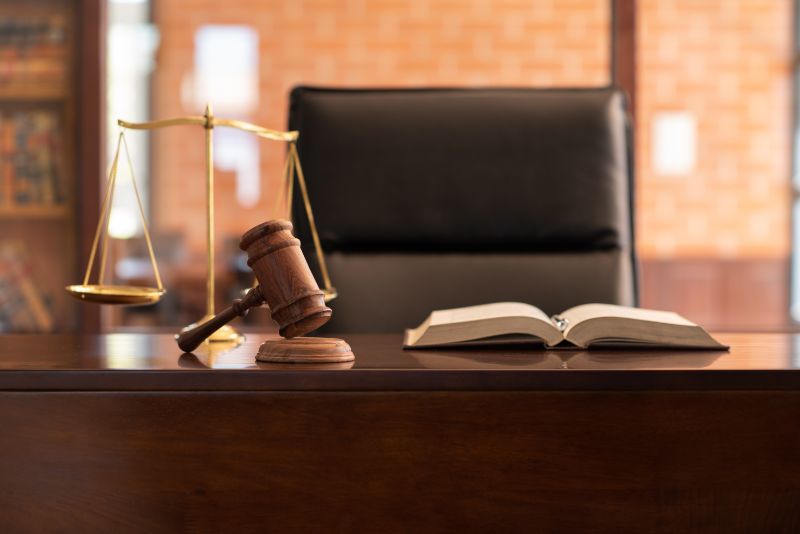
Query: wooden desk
{"points": [[123, 432]]}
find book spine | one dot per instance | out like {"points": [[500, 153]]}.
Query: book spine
{"points": [[23, 307], [34, 159], [33, 49]]}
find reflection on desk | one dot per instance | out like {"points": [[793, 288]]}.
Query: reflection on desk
{"points": [[569, 359], [140, 361]]}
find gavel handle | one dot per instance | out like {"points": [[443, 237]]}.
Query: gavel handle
{"points": [[191, 339]]}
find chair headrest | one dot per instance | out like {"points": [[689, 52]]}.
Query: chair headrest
{"points": [[466, 169]]}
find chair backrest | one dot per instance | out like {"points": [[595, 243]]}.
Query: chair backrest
{"points": [[434, 198]]}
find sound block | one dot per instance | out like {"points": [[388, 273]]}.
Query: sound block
{"points": [[305, 350]]}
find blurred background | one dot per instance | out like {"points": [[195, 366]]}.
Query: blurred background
{"points": [[713, 85]]}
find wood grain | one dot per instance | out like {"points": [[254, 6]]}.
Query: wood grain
{"points": [[305, 350], [395, 462]]}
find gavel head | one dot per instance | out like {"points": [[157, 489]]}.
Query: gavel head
{"points": [[294, 298]]}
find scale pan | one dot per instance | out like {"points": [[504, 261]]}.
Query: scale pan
{"points": [[122, 295]]}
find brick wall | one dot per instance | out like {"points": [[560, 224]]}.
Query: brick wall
{"points": [[727, 63], [357, 43]]}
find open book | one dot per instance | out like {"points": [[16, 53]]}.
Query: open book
{"points": [[581, 326]]}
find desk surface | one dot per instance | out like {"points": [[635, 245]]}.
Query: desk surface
{"points": [[152, 362], [125, 433]]}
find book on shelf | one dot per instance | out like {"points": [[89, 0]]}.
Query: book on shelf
{"points": [[22, 306], [582, 326], [30, 143], [33, 49], [33, 30]]}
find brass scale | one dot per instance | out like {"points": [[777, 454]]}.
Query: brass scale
{"points": [[103, 293]]}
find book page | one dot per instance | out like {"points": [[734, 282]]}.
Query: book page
{"points": [[584, 312], [626, 326], [485, 321], [494, 310]]}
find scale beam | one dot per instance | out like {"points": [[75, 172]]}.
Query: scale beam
{"points": [[260, 131]]}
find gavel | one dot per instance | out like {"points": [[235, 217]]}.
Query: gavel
{"points": [[285, 283]]}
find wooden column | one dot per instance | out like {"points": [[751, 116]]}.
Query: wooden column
{"points": [[90, 133], [623, 48]]}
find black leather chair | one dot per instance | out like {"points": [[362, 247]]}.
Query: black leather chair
{"points": [[436, 198]]}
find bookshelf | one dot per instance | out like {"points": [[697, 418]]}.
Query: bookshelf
{"points": [[50, 144]]}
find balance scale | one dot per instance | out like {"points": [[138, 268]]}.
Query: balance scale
{"points": [[102, 293]]}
